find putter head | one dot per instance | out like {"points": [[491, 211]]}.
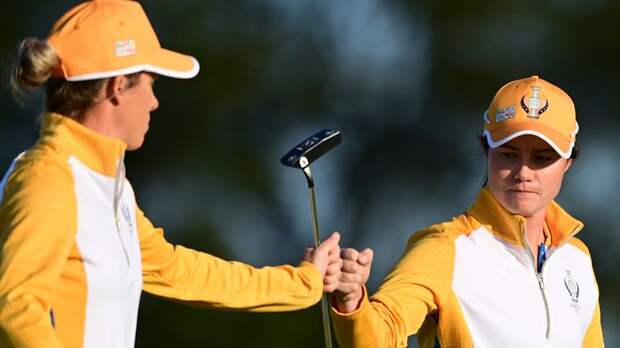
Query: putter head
{"points": [[311, 149]]}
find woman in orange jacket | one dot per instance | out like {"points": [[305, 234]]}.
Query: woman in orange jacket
{"points": [[509, 272], [76, 251]]}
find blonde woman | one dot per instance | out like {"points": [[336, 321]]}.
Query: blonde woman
{"points": [[76, 251]]}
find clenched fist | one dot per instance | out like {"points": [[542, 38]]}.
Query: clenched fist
{"points": [[353, 276]]}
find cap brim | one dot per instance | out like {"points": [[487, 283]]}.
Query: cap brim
{"points": [[508, 132], [173, 64], [162, 62]]}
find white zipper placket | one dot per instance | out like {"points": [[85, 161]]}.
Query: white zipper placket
{"points": [[541, 282], [541, 286], [119, 183]]}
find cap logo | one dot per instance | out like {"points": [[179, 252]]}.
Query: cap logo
{"points": [[534, 107], [125, 48], [503, 114]]}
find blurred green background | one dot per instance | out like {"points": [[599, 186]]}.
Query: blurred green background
{"points": [[405, 81]]}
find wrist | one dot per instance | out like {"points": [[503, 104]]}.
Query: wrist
{"points": [[349, 302]]}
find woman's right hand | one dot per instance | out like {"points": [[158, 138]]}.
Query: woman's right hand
{"points": [[326, 258], [353, 276]]}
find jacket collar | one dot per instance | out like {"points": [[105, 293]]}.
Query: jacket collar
{"points": [[489, 212], [98, 152]]}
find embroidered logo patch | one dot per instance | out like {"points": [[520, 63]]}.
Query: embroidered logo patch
{"points": [[534, 107], [502, 114], [573, 290], [125, 48], [127, 217]]}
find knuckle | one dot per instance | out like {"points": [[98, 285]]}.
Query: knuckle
{"points": [[349, 253]]}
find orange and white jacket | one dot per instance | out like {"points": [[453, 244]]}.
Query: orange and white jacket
{"points": [[471, 282], [76, 251]]}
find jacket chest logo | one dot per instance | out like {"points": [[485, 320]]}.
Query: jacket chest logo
{"points": [[127, 217], [573, 290]]}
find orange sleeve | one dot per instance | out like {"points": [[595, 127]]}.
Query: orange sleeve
{"points": [[37, 231], [411, 291], [203, 279], [594, 334]]}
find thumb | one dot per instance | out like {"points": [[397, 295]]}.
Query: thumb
{"points": [[365, 257], [330, 242]]}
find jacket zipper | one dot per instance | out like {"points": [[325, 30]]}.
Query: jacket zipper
{"points": [[541, 283], [119, 183], [541, 286]]}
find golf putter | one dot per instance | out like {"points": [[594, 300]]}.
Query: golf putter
{"points": [[301, 156]]}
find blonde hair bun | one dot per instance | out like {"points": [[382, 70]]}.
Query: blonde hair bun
{"points": [[35, 62]]}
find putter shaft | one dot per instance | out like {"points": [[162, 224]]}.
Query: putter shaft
{"points": [[327, 333], [301, 156]]}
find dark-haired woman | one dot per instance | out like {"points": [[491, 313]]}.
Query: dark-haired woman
{"points": [[509, 272]]}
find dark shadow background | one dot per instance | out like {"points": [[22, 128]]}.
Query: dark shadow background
{"points": [[406, 82]]}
